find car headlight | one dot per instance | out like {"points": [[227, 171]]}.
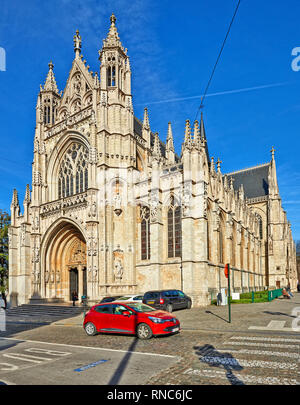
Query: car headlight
{"points": [[156, 320]]}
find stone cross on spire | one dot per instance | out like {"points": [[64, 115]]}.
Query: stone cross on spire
{"points": [[272, 152]]}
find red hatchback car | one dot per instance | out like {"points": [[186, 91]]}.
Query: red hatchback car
{"points": [[130, 318]]}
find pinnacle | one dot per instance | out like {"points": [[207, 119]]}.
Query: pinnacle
{"points": [[146, 124], [187, 136], [15, 199], [50, 83], [27, 194], [112, 39], [156, 146], [170, 143]]}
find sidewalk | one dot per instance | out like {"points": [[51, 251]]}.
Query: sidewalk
{"points": [[215, 318]]}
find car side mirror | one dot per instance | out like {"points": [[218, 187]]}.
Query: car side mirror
{"points": [[126, 313]]}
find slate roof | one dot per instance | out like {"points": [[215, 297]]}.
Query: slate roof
{"points": [[254, 180]]}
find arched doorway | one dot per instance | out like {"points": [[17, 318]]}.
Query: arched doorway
{"points": [[65, 263]]}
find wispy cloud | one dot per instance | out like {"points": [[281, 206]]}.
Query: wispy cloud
{"points": [[220, 93]]}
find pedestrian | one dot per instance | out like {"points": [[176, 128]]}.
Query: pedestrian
{"points": [[4, 299], [298, 286], [74, 297]]}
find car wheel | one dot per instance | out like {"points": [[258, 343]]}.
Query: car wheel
{"points": [[90, 329], [144, 331], [189, 305], [169, 308]]}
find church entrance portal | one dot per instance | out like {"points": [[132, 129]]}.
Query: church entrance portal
{"points": [[65, 263]]}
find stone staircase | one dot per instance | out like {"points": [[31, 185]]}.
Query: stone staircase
{"points": [[42, 312]]}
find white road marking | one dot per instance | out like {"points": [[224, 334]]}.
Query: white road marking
{"points": [[26, 357], [274, 325], [89, 347], [263, 353], [234, 362], [45, 351], [262, 344], [264, 339], [243, 378], [11, 367]]}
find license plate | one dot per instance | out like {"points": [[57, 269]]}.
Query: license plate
{"points": [[175, 329], [150, 302]]}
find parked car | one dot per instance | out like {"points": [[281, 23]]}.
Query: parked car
{"points": [[134, 318], [109, 299], [167, 300], [132, 297]]}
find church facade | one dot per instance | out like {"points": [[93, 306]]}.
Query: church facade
{"points": [[113, 210]]}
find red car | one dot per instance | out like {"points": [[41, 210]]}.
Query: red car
{"points": [[130, 318]]}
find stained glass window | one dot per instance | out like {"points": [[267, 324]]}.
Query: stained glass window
{"points": [[73, 171], [174, 229]]}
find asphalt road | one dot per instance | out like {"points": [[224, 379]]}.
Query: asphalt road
{"points": [[32, 362], [260, 347]]}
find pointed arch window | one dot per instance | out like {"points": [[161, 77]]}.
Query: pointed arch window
{"points": [[145, 233], [111, 76], [174, 229], [221, 242], [260, 226], [73, 171]]}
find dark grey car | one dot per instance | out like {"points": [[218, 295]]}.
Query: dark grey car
{"points": [[168, 300]]}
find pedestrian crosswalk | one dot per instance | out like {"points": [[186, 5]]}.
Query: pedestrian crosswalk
{"points": [[254, 360], [41, 313]]}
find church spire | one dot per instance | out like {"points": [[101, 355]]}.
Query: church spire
{"points": [[202, 129], [273, 185], [50, 83]]}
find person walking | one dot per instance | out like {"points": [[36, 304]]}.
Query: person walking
{"points": [[74, 297]]}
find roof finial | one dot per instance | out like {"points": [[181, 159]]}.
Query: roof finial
{"points": [[113, 19], [272, 151], [219, 165], [77, 44]]}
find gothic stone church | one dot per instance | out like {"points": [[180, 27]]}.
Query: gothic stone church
{"points": [[114, 210]]}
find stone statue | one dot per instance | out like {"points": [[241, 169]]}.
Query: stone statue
{"points": [[118, 270]]}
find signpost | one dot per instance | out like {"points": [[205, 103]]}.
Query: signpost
{"points": [[227, 275]]}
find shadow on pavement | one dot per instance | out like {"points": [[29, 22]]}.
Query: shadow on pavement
{"points": [[209, 312], [279, 313], [209, 355]]}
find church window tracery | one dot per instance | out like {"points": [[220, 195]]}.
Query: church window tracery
{"points": [[174, 229], [145, 233], [73, 171]]}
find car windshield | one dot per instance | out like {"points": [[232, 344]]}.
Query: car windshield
{"points": [[125, 298], [139, 307]]}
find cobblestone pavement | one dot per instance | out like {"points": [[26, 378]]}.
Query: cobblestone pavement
{"points": [[211, 351]]}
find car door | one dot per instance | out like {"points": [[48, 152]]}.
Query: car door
{"points": [[121, 323], [175, 299], [102, 317], [182, 299]]}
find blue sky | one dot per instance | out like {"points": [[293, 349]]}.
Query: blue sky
{"points": [[172, 46]]}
